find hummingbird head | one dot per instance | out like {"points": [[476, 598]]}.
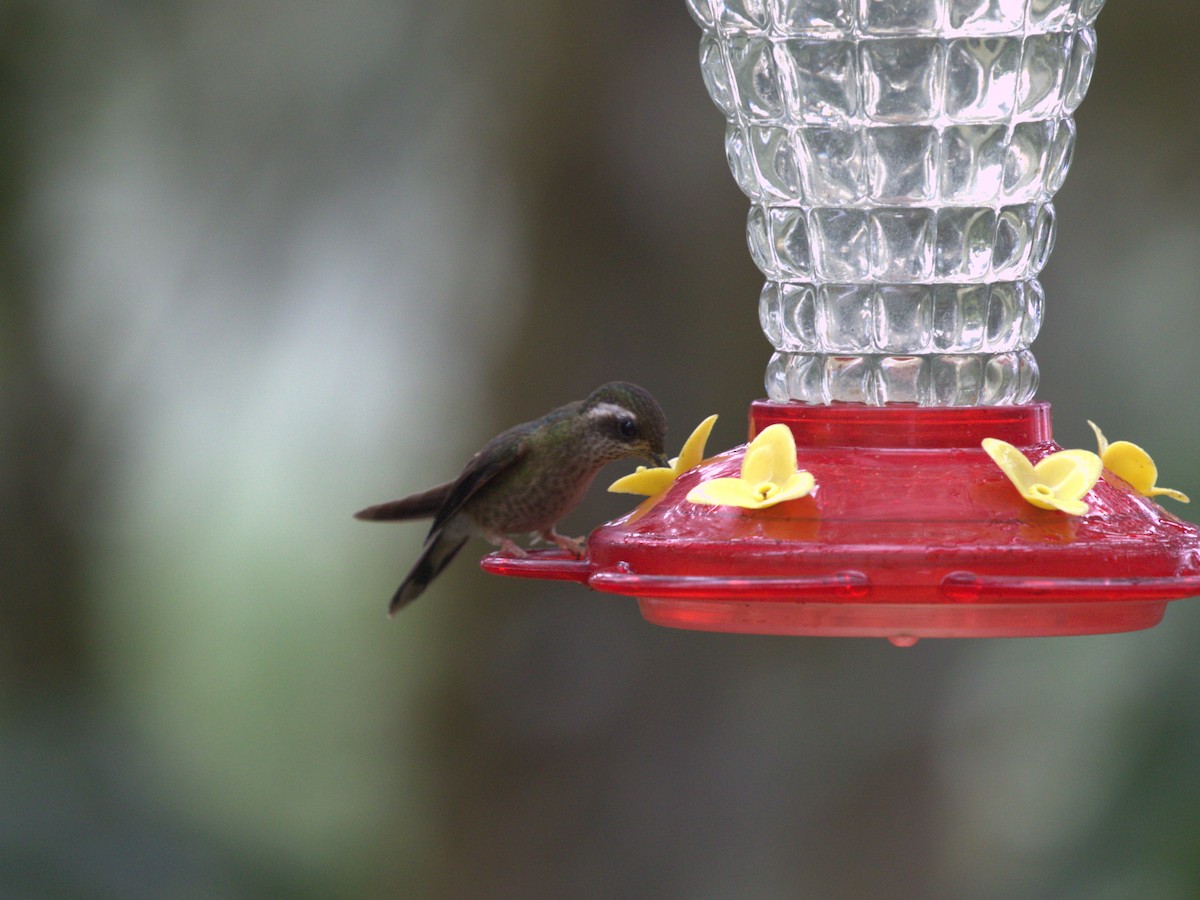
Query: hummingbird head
{"points": [[624, 420]]}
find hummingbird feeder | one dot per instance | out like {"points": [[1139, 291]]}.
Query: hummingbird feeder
{"points": [[900, 157]]}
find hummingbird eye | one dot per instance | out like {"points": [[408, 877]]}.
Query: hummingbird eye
{"points": [[614, 422]]}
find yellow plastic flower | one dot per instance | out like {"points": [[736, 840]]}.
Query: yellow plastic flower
{"points": [[1133, 465], [769, 475], [653, 481], [1058, 482]]}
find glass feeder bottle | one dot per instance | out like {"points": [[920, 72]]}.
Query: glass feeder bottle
{"points": [[901, 157]]}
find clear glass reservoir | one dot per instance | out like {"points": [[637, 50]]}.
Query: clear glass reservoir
{"points": [[900, 157]]}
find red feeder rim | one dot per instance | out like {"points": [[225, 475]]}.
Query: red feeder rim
{"points": [[911, 531]]}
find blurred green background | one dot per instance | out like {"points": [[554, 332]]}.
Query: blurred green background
{"points": [[264, 263]]}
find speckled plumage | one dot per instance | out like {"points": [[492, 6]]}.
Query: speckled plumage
{"points": [[527, 478]]}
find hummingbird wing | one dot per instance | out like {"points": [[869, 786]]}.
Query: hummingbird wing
{"points": [[499, 455], [415, 506], [449, 531]]}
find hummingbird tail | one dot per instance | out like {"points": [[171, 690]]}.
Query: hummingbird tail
{"points": [[439, 549], [415, 506]]}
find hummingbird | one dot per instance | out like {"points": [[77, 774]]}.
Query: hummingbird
{"points": [[527, 478]]}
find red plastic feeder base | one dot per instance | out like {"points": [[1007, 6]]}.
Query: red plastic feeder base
{"points": [[911, 531]]}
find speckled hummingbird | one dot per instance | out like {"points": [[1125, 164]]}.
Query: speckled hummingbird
{"points": [[527, 478]]}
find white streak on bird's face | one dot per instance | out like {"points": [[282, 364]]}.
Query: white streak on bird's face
{"points": [[611, 411], [613, 424]]}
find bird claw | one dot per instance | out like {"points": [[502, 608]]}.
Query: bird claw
{"points": [[508, 546], [575, 546]]}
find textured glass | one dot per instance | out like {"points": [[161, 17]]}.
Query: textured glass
{"points": [[833, 168], [901, 157], [930, 380], [825, 84], [981, 78], [900, 16], [981, 17], [900, 163], [901, 79]]}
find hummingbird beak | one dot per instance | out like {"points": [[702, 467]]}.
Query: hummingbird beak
{"points": [[660, 460]]}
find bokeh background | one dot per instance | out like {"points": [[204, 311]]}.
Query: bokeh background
{"points": [[264, 263]]}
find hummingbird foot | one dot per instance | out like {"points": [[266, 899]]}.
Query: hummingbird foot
{"points": [[576, 546], [507, 545]]}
